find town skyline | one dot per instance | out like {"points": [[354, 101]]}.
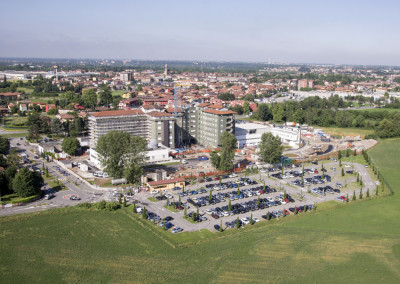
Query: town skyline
{"points": [[356, 33]]}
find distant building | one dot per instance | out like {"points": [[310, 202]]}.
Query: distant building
{"points": [[304, 83], [126, 76]]}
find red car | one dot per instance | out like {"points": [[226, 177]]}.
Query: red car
{"points": [[217, 178], [316, 172], [285, 212]]}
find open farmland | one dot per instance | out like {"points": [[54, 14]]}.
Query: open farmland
{"points": [[358, 242]]}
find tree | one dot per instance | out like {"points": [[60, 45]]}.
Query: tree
{"points": [[347, 198], [122, 154], [4, 144], [246, 107], [215, 159], [368, 193], [361, 194], [56, 126], [251, 219], [124, 201], [105, 95], [263, 113], [70, 145], [258, 201], [228, 145], [224, 159], [354, 195], [27, 183], [271, 148], [237, 222], [339, 155], [278, 112], [229, 206], [179, 201], [185, 212], [134, 208], [210, 196], [268, 216], [119, 199], [295, 210], [342, 172], [144, 213], [220, 227], [89, 98]]}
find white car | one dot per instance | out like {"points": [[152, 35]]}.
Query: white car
{"points": [[184, 162], [256, 220], [225, 213], [377, 182], [208, 211], [263, 170], [154, 191], [270, 199], [245, 220], [233, 175], [169, 196], [347, 166]]}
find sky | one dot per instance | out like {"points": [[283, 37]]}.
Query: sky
{"points": [[281, 31]]}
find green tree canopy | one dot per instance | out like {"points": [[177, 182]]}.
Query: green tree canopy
{"points": [[226, 96], [70, 145], [27, 183], [89, 98], [105, 95], [271, 148], [224, 159], [4, 144], [122, 154]]}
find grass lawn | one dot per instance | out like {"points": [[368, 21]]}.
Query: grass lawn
{"points": [[346, 131], [118, 93], [16, 120], [338, 243], [152, 199], [26, 90], [380, 110], [171, 208], [16, 135]]}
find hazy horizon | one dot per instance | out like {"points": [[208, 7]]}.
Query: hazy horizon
{"points": [[310, 32]]}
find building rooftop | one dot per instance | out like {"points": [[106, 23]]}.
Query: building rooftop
{"points": [[117, 113], [158, 114], [166, 181], [214, 111]]}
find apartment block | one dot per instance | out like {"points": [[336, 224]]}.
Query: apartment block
{"points": [[153, 125]]}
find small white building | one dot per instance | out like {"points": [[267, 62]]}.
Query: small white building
{"points": [[249, 134], [154, 156]]}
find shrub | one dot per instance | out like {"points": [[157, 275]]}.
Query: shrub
{"points": [[101, 205], [112, 206], [84, 205]]}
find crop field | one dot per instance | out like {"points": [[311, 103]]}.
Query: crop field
{"points": [[338, 243]]}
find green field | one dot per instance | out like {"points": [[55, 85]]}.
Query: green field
{"points": [[380, 109], [355, 243], [346, 131]]}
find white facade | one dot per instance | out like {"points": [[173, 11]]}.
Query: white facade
{"points": [[155, 156], [249, 134]]}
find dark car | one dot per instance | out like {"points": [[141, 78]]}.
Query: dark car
{"points": [[217, 227], [169, 225]]}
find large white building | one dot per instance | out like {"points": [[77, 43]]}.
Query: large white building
{"points": [[249, 134]]}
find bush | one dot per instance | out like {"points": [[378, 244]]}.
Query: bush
{"points": [[84, 205], [112, 206], [101, 205]]}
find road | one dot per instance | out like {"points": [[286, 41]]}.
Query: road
{"points": [[61, 198]]}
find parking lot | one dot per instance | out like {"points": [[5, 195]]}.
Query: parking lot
{"points": [[268, 194]]}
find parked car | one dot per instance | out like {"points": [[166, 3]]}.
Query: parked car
{"points": [[176, 230]]}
